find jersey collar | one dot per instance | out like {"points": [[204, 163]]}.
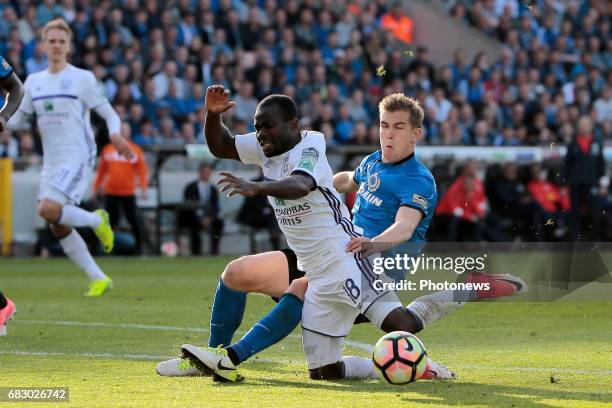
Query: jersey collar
{"points": [[397, 163]]}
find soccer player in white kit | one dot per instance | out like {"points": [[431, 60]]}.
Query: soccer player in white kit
{"points": [[299, 184], [61, 98]]}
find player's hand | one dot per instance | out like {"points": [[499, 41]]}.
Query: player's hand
{"points": [[217, 99], [236, 185], [122, 146], [361, 246]]}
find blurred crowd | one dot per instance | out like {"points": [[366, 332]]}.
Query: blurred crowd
{"points": [[154, 59]]}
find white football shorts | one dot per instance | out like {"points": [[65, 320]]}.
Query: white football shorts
{"points": [[66, 183]]}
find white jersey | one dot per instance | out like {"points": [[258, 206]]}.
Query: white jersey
{"points": [[62, 102], [317, 226]]}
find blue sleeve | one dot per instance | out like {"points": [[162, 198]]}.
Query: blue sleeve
{"points": [[417, 192], [5, 68], [360, 171]]}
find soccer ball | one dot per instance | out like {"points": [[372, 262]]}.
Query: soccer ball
{"points": [[169, 249], [399, 358]]}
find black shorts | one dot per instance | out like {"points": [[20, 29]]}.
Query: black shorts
{"points": [[295, 273]]}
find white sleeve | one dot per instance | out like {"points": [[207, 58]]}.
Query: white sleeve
{"points": [[19, 120], [113, 123], [248, 149], [91, 94], [312, 156], [26, 106]]}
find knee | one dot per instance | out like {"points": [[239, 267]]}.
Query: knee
{"points": [[59, 231], [49, 211], [400, 320], [333, 371], [235, 275], [298, 288]]}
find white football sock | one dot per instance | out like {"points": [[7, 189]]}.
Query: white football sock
{"points": [[432, 307], [358, 368], [76, 249], [73, 216]]}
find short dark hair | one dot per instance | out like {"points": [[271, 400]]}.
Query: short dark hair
{"points": [[205, 165], [285, 103], [400, 102]]}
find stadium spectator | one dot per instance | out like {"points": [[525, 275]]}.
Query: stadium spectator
{"points": [[509, 198], [203, 194], [398, 23], [550, 199], [257, 213], [438, 107], [464, 206], [27, 148], [584, 171], [603, 105], [9, 147], [246, 104], [38, 61], [116, 180]]}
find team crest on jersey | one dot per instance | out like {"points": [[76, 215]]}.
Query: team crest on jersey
{"points": [[420, 200], [373, 182], [65, 84], [48, 106], [285, 167], [268, 163], [310, 157]]}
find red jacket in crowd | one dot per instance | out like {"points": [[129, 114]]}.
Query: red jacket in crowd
{"points": [[549, 196], [465, 198]]}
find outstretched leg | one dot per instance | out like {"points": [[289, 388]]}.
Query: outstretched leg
{"points": [[265, 273], [275, 326]]}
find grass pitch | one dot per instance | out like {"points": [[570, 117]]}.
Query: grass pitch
{"points": [[105, 350]]}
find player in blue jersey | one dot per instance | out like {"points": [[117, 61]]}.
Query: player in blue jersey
{"points": [[396, 199], [13, 89], [13, 93]]}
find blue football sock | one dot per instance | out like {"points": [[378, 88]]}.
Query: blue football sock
{"points": [[277, 325], [227, 311]]}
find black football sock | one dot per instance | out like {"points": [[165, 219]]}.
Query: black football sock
{"points": [[3, 302], [233, 356]]}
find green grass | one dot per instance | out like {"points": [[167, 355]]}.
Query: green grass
{"points": [[504, 353]]}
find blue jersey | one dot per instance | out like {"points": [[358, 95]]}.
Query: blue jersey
{"points": [[385, 187], [5, 68]]}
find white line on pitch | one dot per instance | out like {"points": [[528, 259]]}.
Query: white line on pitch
{"points": [[358, 345], [127, 356], [90, 355], [266, 360]]}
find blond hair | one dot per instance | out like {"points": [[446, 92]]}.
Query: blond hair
{"points": [[400, 102], [57, 24]]}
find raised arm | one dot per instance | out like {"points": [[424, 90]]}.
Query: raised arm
{"points": [[218, 137], [295, 186], [14, 93], [344, 182]]}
